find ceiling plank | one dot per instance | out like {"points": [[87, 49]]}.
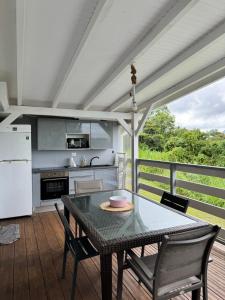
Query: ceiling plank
{"points": [[68, 113], [4, 101], [90, 28], [204, 77], [21, 17], [194, 48], [166, 20]]}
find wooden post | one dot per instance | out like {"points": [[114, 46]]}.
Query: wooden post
{"points": [[173, 179], [134, 151], [134, 125]]}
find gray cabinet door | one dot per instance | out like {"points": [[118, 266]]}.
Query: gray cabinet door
{"points": [[36, 190], [101, 135], [51, 134], [73, 126]]}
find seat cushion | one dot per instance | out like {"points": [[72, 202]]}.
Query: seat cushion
{"points": [[144, 269]]}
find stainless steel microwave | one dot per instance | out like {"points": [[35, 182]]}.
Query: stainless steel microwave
{"points": [[77, 141]]}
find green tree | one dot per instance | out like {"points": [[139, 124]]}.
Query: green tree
{"points": [[158, 129]]}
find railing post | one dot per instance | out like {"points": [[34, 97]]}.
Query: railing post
{"points": [[137, 175], [173, 179]]}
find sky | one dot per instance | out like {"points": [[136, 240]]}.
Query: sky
{"points": [[203, 109]]}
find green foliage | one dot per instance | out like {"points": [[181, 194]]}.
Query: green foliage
{"points": [[162, 140], [182, 145]]}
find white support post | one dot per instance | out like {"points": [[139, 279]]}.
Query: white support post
{"points": [[134, 151], [173, 179]]}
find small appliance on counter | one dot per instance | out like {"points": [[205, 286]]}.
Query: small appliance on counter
{"points": [[77, 141], [72, 161], [83, 161]]}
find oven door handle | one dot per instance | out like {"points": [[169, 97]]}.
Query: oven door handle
{"points": [[55, 179]]}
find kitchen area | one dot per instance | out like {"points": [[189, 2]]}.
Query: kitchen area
{"points": [[56, 153]]}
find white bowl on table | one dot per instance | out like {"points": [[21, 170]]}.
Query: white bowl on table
{"points": [[118, 201]]}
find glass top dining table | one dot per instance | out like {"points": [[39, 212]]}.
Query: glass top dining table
{"points": [[110, 232]]}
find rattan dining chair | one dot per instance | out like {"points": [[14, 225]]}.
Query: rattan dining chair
{"points": [[179, 267], [85, 187], [172, 201], [80, 248], [175, 202], [89, 186]]}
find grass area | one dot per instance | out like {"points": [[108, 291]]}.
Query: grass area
{"points": [[201, 179]]}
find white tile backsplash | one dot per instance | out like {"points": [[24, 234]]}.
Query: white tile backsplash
{"points": [[45, 159]]}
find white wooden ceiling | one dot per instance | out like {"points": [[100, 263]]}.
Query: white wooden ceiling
{"points": [[76, 54]]}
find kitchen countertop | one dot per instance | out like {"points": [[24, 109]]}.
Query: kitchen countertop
{"points": [[41, 170]]}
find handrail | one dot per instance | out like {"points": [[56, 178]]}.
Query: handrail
{"points": [[173, 183]]}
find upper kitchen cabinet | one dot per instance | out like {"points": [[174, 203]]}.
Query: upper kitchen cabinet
{"points": [[75, 126], [101, 135], [51, 134]]}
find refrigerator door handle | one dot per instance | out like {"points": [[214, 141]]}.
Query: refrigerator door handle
{"points": [[13, 160]]}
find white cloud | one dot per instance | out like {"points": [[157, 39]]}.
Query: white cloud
{"points": [[204, 109]]}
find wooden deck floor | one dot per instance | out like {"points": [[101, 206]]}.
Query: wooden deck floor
{"points": [[30, 268]]}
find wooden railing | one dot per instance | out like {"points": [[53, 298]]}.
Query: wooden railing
{"points": [[144, 179]]}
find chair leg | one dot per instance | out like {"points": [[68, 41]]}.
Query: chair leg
{"points": [[196, 294], [73, 288], [120, 258], [205, 288], [80, 231], [142, 251], [75, 228], [64, 261]]}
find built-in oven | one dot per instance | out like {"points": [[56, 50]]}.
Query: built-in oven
{"points": [[54, 184]]}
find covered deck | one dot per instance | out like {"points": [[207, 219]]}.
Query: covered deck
{"points": [[73, 61], [30, 268]]}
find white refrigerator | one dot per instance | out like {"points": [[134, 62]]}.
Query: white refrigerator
{"points": [[15, 171]]}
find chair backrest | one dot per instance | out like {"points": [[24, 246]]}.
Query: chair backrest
{"points": [[69, 235], [175, 202], [184, 255], [84, 187]]}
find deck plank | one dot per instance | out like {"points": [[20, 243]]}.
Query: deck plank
{"points": [[36, 280], [7, 253], [21, 282], [30, 268]]}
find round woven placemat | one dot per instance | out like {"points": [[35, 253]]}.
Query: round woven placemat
{"points": [[106, 206]]}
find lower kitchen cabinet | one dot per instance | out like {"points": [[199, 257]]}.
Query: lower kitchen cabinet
{"points": [[36, 190], [108, 177]]}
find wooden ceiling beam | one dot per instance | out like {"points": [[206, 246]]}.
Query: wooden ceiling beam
{"points": [[68, 113], [65, 77], [202, 78], [166, 20], [21, 18]]}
